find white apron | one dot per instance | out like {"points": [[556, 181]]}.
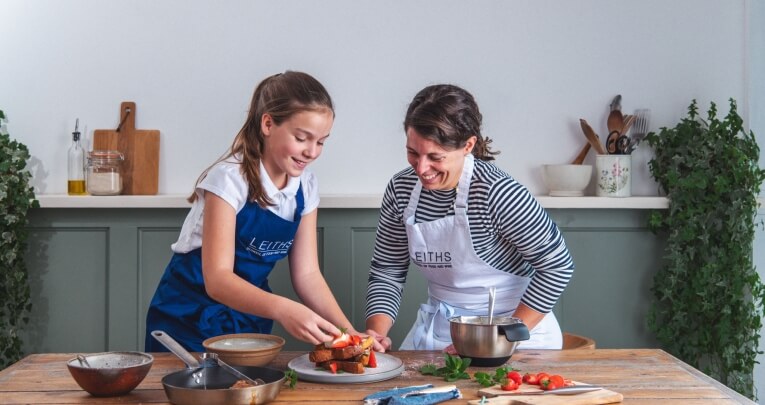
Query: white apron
{"points": [[458, 280]]}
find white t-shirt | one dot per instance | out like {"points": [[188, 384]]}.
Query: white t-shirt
{"points": [[226, 181]]}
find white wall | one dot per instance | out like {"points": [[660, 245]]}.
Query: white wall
{"points": [[756, 70], [536, 67]]}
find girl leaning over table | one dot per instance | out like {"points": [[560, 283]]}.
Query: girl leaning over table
{"points": [[251, 208], [468, 226]]}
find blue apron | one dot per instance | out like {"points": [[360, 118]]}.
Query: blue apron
{"points": [[182, 308]]}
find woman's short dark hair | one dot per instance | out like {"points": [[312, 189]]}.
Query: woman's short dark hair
{"points": [[449, 116]]}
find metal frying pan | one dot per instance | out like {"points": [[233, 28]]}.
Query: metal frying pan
{"points": [[200, 385]]}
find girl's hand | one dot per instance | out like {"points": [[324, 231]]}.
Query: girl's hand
{"points": [[306, 325]]}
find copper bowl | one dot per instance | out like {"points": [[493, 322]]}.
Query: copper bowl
{"points": [[245, 349], [111, 373]]}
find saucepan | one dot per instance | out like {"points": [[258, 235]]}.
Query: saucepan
{"points": [[487, 344], [211, 384]]}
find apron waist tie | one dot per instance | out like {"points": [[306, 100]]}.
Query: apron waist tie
{"points": [[433, 310]]}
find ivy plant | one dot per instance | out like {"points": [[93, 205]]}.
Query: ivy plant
{"points": [[16, 198], [708, 305]]}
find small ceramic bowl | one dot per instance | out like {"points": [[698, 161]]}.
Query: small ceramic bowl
{"points": [[245, 349], [567, 180], [111, 373]]}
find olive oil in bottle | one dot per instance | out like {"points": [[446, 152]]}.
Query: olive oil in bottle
{"points": [[76, 164]]}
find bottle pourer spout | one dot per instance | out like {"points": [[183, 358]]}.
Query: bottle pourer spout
{"points": [[76, 133]]}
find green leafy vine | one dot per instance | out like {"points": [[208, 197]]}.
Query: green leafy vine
{"points": [[16, 198], [709, 298]]}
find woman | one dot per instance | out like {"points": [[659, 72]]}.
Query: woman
{"points": [[468, 226], [251, 208]]}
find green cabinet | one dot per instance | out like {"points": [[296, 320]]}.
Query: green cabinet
{"points": [[93, 273]]}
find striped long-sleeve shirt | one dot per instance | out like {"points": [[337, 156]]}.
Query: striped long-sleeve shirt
{"points": [[510, 231]]}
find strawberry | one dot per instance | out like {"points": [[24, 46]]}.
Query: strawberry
{"points": [[510, 385], [515, 376], [333, 367], [529, 378], [372, 360], [339, 342]]}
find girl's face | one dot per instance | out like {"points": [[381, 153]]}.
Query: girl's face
{"points": [[291, 146], [437, 168]]}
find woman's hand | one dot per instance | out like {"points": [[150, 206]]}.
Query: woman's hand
{"points": [[306, 325], [382, 343], [451, 350]]}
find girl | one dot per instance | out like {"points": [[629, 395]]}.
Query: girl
{"points": [[252, 207]]}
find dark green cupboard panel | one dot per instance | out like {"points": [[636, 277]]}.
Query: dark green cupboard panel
{"points": [[68, 270]]}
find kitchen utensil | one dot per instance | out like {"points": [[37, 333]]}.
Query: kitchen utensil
{"points": [[492, 296], [495, 396], [617, 144], [579, 159], [566, 180], [211, 385], [212, 358], [613, 175], [615, 120], [140, 148], [245, 349], [487, 345], [388, 366], [110, 373], [83, 360], [577, 389], [628, 121], [640, 129], [616, 103], [592, 137]]}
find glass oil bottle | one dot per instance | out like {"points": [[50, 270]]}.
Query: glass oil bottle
{"points": [[76, 164]]}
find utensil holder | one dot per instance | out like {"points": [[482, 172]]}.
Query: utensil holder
{"points": [[614, 175]]}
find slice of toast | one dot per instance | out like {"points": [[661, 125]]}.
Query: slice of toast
{"points": [[320, 355], [352, 367], [347, 352]]}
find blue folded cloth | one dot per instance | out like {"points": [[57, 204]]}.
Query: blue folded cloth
{"points": [[414, 395]]}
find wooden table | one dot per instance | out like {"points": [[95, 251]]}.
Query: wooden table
{"points": [[643, 376]]}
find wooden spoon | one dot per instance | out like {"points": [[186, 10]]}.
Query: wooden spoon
{"points": [[582, 154], [592, 137], [615, 120], [628, 121]]}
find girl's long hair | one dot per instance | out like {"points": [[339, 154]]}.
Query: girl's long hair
{"points": [[281, 96]]}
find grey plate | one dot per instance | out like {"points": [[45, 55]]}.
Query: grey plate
{"points": [[387, 367]]}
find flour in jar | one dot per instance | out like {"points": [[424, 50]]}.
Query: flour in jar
{"points": [[108, 183]]}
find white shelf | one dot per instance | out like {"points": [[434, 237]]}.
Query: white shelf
{"points": [[331, 201]]}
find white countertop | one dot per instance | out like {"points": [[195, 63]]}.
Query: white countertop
{"points": [[331, 201]]}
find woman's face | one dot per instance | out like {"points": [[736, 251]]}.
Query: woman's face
{"points": [[291, 146], [437, 168]]}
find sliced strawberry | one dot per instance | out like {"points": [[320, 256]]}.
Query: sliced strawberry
{"points": [[529, 378], [339, 342], [372, 359], [356, 340], [333, 367]]}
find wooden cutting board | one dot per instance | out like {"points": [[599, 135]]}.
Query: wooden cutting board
{"points": [[140, 147], [494, 395]]}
